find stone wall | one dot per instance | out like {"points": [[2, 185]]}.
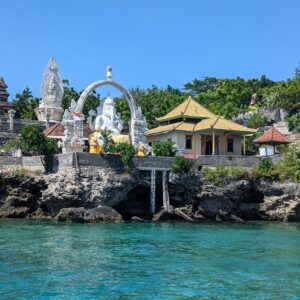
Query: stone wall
{"points": [[32, 163], [227, 160], [86, 161], [82, 160]]}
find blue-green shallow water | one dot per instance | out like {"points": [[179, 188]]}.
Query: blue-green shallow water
{"points": [[49, 260]]}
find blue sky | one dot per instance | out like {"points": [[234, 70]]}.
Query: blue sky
{"points": [[157, 42]]}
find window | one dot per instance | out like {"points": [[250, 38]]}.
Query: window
{"points": [[229, 144], [188, 142]]}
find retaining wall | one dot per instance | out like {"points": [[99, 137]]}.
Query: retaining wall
{"points": [[82, 160], [32, 163]]}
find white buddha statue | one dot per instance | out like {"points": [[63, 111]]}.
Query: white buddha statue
{"points": [[107, 118]]}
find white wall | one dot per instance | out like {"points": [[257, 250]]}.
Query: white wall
{"points": [[179, 139], [163, 137]]}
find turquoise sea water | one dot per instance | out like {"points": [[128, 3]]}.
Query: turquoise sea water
{"points": [[49, 260]]}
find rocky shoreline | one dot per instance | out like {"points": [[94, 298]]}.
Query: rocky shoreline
{"points": [[109, 196]]}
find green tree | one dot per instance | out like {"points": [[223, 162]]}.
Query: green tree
{"points": [[25, 105], [164, 148], [227, 97], [182, 165], [34, 142], [154, 102], [92, 101], [256, 120]]}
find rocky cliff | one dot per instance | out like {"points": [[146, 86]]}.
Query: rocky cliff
{"points": [[106, 195]]}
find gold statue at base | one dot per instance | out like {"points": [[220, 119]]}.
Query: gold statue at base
{"points": [[141, 150], [95, 143]]}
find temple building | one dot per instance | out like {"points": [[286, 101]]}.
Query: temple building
{"points": [[5, 106], [197, 131]]}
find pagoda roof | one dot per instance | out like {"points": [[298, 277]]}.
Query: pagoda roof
{"points": [[272, 136], [216, 123], [220, 123], [187, 109], [180, 126]]}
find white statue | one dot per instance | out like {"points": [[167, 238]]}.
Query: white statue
{"points": [[106, 117], [52, 91]]}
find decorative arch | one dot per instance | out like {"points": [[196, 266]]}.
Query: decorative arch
{"points": [[73, 134], [93, 86]]}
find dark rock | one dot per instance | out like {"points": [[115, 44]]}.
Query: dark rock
{"points": [[102, 195], [74, 214], [103, 214]]}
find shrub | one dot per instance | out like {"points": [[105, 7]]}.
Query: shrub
{"points": [[165, 148], [267, 169], [289, 167], [294, 122], [256, 120], [126, 151], [214, 175], [108, 143], [181, 165], [220, 174], [34, 142], [11, 145]]}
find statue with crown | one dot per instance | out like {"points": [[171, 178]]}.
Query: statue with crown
{"points": [[105, 118]]}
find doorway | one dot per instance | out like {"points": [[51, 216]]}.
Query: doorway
{"points": [[208, 148]]}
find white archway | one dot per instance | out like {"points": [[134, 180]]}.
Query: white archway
{"points": [[73, 135], [93, 86]]}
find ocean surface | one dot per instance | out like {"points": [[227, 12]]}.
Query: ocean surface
{"points": [[50, 260]]}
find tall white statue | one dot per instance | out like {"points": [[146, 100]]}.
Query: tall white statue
{"points": [[52, 92], [106, 117]]}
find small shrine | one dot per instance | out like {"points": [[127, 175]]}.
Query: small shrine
{"points": [[269, 140], [5, 106]]}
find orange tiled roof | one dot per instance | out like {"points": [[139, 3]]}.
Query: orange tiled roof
{"points": [[272, 136], [57, 131]]}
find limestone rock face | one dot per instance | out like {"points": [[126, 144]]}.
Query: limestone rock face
{"points": [[108, 195], [20, 195], [88, 189]]}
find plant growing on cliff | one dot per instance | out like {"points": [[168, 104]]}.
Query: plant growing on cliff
{"points": [[126, 152], [289, 167], [221, 174], [34, 142], [182, 165], [108, 143], [164, 148], [266, 168], [11, 145]]}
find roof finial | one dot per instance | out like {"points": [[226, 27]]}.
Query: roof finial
{"points": [[108, 72]]}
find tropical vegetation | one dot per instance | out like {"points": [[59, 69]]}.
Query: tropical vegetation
{"points": [[286, 169], [225, 96]]}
